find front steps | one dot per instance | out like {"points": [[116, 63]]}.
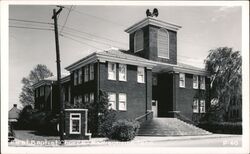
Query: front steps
{"points": [[169, 127]]}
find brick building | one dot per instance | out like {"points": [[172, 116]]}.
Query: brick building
{"points": [[143, 79]]}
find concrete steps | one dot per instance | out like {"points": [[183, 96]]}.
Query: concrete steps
{"points": [[169, 127]]}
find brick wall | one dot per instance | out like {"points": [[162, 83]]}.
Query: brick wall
{"points": [[136, 92], [150, 45]]}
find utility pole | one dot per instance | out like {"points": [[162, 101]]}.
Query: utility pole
{"points": [[61, 124]]}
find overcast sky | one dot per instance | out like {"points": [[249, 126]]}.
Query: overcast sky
{"points": [[101, 27]]}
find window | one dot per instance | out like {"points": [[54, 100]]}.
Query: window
{"points": [[86, 73], [202, 106], [112, 101], [86, 98], [69, 94], [122, 102], [91, 76], [37, 92], [182, 80], [138, 41], [41, 91], [195, 106], [122, 72], [140, 74], [163, 43], [195, 81], [75, 123], [79, 76], [202, 82], [111, 71], [75, 78], [91, 97]]}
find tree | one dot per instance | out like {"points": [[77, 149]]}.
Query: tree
{"points": [[224, 66], [38, 73]]}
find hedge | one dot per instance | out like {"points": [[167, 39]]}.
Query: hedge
{"points": [[222, 127]]}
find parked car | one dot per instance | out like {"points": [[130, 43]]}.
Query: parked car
{"points": [[11, 134]]}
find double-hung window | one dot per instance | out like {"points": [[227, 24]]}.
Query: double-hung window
{"points": [[75, 78], [196, 106], [202, 106], [202, 82], [122, 101], [111, 71], [195, 81], [140, 74], [122, 72], [75, 123], [91, 97], [182, 80], [112, 101], [79, 76], [91, 68], [86, 73], [86, 98]]}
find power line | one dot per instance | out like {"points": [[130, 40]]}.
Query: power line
{"points": [[94, 35], [66, 19], [81, 42], [103, 19], [37, 28], [32, 21], [86, 38]]}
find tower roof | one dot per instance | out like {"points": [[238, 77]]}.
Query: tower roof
{"points": [[154, 22]]}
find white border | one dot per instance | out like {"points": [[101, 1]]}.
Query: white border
{"points": [[71, 120], [5, 75]]}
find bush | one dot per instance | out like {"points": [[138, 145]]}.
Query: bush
{"points": [[124, 130], [106, 123], [223, 127]]}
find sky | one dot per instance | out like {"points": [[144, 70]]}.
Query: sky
{"points": [[94, 28]]}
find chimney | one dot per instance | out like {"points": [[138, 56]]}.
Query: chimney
{"points": [[14, 105]]}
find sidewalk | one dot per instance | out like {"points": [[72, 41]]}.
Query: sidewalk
{"points": [[27, 138]]}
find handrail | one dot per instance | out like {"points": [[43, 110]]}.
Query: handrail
{"points": [[142, 116]]}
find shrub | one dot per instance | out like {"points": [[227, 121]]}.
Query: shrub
{"points": [[106, 123], [223, 127], [124, 130]]}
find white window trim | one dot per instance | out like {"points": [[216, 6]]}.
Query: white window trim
{"points": [[203, 88], [120, 74], [165, 57], [197, 80], [202, 106], [182, 86], [110, 107], [71, 121], [109, 71], [123, 109], [143, 79], [91, 94], [196, 110], [136, 33], [92, 72]]}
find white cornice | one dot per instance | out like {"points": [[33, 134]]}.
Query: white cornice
{"points": [[152, 21], [42, 82]]}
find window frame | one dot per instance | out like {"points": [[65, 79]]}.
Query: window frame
{"points": [[184, 82], [111, 71], [195, 80], [113, 105], [158, 43], [79, 80], [91, 97], [125, 104], [121, 74], [86, 98], [91, 72], [202, 82], [196, 105], [71, 123], [138, 75], [86, 73], [138, 32], [202, 106], [75, 74]]}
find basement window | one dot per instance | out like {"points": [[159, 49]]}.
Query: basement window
{"points": [[75, 123]]}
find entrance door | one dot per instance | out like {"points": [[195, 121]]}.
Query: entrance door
{"points": [[155, 108]]}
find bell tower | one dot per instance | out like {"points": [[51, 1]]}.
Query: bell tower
{"points": [[154, 39]]}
